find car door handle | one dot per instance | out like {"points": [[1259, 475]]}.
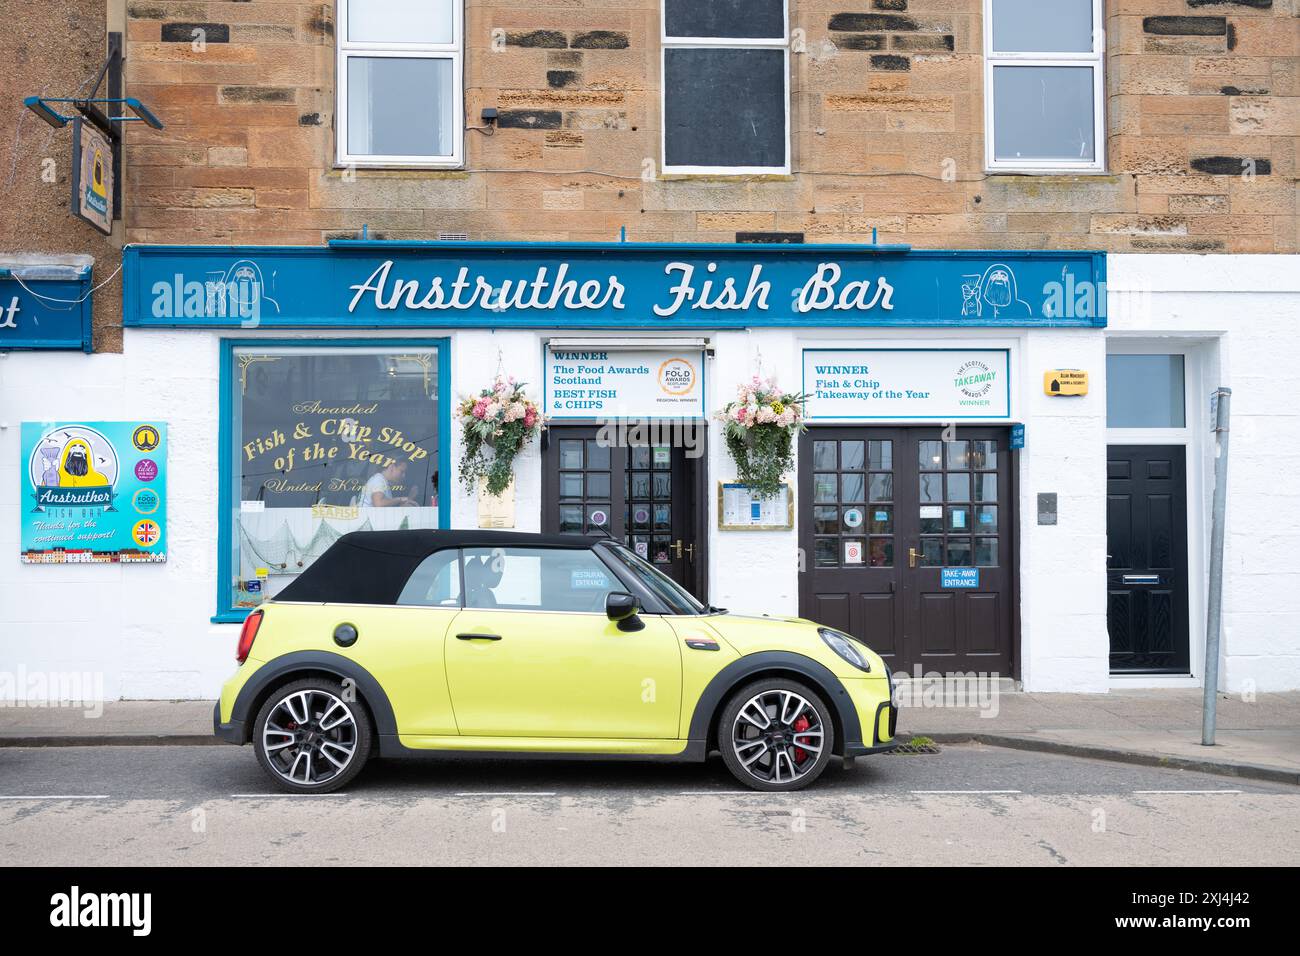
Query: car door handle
{"points": [[478, 637]]}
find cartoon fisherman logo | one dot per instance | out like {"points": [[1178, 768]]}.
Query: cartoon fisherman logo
{"points": [[97, 176], [76, 470], [993, 295], [73, 466]]}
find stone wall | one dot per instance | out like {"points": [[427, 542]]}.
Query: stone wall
{"points": [[887, 120]]}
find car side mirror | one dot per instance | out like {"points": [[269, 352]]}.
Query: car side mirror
{"points": [[620, 607]]}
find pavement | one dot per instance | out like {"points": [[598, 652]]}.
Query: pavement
{"points": [[968, 804], [1257, 738]]}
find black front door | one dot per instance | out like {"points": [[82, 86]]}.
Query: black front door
{"points": [[643, 495], [885, 512], [1146, 563]]}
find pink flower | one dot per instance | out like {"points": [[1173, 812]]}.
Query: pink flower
{"points": [[530, 418], [480, 408]]}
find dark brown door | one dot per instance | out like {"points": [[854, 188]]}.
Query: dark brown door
{"points": [[850, 577], [1146, 563], [642, 495], [908, 543]]}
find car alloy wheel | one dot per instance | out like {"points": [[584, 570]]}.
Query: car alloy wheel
{"points": [[777, 737], [310, 737]]}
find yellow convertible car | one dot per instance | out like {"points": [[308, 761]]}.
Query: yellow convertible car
{"points": [[400, 643]]}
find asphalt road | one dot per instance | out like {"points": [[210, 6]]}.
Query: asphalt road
{"points": [[967, 805]]}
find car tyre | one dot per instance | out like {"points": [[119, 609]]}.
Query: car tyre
{"points": [[791, 750], [310, 738]]}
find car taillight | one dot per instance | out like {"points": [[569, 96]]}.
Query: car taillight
{"points": [[248, 635]]}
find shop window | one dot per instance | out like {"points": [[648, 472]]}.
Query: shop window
{"points": [[1145, 391], [399, 83], [726, 86], [1043, 85], [322, 440]]}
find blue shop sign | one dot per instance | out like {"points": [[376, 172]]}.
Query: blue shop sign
{"points": [[45, 302], [959, 578], [376, 284]]}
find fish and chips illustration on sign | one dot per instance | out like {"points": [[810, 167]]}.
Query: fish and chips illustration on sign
{"points": [[94, 492]]}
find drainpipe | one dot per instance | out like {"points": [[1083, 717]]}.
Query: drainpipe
{"points": [[1214, 611]]}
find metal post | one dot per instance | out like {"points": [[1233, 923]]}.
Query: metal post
{"points": [[1214, 610]]}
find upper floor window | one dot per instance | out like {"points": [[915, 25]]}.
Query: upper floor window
{"points": [[726, 86], [400, 98], [1043, 85]]}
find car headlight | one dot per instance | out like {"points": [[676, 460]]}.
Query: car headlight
{"points": [[846, 647]]}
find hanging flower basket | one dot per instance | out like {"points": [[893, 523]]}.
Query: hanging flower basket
{"points": [[496, 425], [759, 428]]}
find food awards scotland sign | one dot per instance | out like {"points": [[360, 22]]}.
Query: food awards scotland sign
{"points": [[631, 383], [94, 492]]}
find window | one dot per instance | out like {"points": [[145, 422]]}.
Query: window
{"points": [[676, 598], [436, 582], [322, 440], [537, 579], [1145, 391], [726, 86], [399, 83], [1043, 90]]}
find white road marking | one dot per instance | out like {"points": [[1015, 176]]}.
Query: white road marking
{"points": [[721, 793], [258, 796], [60, 796], [965, 791], [1187, 791], [511, 793]]}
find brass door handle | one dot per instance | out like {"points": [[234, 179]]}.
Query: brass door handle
{"points": [[912, 555], [690, 552], [678, 546]]}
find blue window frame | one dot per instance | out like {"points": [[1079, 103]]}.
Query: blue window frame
{"points": [[319, 437]]}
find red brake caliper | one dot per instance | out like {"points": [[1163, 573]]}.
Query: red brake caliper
{"points": [[800, 725]]}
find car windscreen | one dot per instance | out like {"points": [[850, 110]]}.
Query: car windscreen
{"points": [[678, 599]]}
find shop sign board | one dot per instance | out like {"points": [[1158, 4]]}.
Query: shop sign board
{"points": [[92, 175], [376, 284], [932, 384], [959, 578], [45, 313], [1065, 381], [94, 492], [594, 383]]}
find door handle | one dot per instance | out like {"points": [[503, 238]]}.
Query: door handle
{"points": [[677, 546], [912, 555], [690, 553], [478, 637]]}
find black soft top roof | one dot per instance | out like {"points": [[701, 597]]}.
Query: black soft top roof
{"points": [[372, 567]]}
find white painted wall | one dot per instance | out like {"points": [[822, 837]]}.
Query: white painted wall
{"points": [[1240, 317], [146, 628]]}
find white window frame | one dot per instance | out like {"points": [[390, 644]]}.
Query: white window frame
{"points": [[1096, 59], [667, 42], [454, 51]]}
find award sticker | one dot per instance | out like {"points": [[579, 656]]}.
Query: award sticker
{"points": [[853, 518], [852, 552]]}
